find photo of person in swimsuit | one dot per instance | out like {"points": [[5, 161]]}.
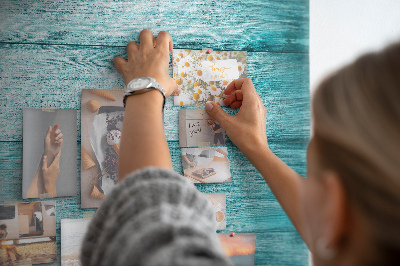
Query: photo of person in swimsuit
{"points": [[217, 129]]}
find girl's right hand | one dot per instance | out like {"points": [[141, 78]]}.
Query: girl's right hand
{"points": [[246, 129]]}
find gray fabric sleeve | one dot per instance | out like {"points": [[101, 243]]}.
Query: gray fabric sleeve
{"points": [[153, 217]]}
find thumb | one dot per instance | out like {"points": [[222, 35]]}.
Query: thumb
{"points": [[57, 159], [119, 63], [44, 163], [217, 113]]}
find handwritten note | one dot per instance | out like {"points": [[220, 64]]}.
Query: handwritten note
{"points": [[219, 70]]}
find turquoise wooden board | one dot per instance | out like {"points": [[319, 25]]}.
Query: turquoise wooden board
{"points": [[252, 25], [51, 50]]}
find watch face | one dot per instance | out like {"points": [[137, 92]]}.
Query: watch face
{"points": [[140, 83]]}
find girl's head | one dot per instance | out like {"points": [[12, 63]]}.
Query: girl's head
{"points": [[352, 196], [3, 226]]}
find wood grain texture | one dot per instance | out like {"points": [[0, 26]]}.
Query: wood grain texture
{"points": [[58, 74], [51, 49], [253, 25]]}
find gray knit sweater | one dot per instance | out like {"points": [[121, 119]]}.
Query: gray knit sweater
{"points": [[153, 217]]}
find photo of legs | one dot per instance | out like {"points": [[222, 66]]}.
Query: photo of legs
{"points": [[28, 233]]}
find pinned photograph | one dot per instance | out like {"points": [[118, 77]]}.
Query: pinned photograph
{"points": [[28, 233], [218, 201], [206, 165], [204, 74], [102, 114], [72, 234], [197, 128], [239, 247], [49, 153]]}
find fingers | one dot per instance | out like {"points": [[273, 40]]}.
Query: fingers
{"points": [[177, 92], [56, 160], [147, 40], [120, 63], [217, 113], [233, 86], [54, 129], [235, 99], [164, 41], [48, 132], [60, 142], [131, 48], [58, 137], [44, 163], [245, 85]]}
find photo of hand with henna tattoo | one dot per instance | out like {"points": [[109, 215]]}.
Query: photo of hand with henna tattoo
{"points": [[44, 182]]}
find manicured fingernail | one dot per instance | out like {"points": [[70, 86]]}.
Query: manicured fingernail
{"points": [[179, 90], [44, 157], [209, 106]]}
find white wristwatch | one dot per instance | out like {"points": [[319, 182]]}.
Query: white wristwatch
{"points": [[142, 85]]}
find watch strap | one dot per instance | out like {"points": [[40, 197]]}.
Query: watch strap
{"points": [[153, 86]]}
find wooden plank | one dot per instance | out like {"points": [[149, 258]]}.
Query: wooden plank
{"points": [[58, 73], [253, 25]]}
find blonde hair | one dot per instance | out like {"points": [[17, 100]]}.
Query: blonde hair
{"points": [[356, 114]]}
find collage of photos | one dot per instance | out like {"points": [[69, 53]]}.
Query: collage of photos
{"points": [[102, 114], [204, 74], [49, 153], [28, 233], [206, 165], [198, 128], [28, 230], [72, 234]]}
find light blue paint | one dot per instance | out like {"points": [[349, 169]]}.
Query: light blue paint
{"points": [[51, 50]]}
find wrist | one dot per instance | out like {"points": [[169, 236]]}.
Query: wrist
{"points": [[148, 100]]}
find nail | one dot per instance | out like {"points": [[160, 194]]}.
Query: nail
{"points": [[179, 90], [209, 106]]}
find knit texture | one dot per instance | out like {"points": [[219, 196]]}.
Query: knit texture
{"points": [[153, 217]]}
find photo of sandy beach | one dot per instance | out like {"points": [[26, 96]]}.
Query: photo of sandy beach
{"points": [[72, 234]]}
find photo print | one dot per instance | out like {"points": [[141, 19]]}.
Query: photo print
{"points": [[204, 74], [102, 114], [206, 165], [197, 128], [49, 153], [28, 233], [218, 201], [72, 234], [239, 247]]}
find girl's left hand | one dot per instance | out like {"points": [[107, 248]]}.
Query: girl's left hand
{"points": [[150, 59]]}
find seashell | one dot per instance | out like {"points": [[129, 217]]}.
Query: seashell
{"points": [[87, 161], [93, 106], [95, 193], [103, 93]]}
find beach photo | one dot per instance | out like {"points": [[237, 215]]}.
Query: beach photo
{"points": [[49, 153], [206, 165], [239, 247], [197, 128], [28, 233], [72, 233]]}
